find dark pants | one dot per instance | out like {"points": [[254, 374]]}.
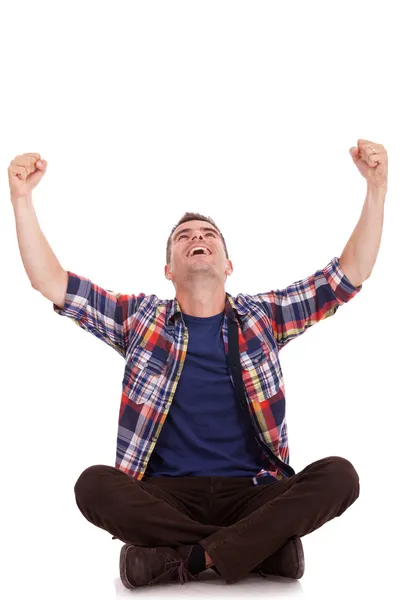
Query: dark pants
{"points": [[237, 523]]}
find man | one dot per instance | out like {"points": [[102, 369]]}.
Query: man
{"points": [[202, 476]]}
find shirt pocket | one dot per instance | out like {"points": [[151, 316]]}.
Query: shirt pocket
{"points": [[261, 370], [144, 377]]}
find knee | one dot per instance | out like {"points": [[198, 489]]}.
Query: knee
{"points": [[343, 474], [89, 482]]}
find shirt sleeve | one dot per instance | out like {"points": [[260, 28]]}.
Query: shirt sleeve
{"points": [[306, 302], [104, 313]]}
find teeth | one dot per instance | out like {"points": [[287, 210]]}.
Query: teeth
{"points": [[199, 248]]}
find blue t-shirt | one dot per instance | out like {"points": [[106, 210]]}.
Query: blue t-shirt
{"points": [[207, 432]]}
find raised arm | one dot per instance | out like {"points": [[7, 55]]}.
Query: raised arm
{"points": [[305, 302], [104, 313]]}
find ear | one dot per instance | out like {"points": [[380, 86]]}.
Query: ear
{"points": [[169, 274]]}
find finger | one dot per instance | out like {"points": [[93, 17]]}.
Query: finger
{"points": [[29, 162], [365, 144], [372, 159], [16, 171], [368, 154], [25, 159]]}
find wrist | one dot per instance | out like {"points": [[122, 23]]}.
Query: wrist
{"points": [[377, 194], [20, 199]]}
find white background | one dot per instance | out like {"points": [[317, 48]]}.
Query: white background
{"points": [[244, 112]]}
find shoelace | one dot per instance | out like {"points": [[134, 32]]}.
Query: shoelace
{"points": [[171, 564]]}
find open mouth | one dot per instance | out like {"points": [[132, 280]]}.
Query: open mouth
{"points": [[199, 252]]}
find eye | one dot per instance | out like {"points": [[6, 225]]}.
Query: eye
{"points": [[184, 235]]}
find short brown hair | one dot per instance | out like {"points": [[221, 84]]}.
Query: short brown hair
{"points": [[191, 216]]}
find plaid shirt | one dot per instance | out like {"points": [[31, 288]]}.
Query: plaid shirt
{"points": [[152, 337]]}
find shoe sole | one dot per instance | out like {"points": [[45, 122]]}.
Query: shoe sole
{"points": [[122, 567], [299, 557]]}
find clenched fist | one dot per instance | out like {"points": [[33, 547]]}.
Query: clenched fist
{"points": [[24, 173]]}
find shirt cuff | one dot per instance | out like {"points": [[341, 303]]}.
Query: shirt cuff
{"points": [[76, 298], [341, 286]]}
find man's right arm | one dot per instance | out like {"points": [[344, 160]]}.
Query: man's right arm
{"points": [[41, 265], [104, 313]]}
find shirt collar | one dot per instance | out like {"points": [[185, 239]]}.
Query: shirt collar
{"points": [[231, 307]]}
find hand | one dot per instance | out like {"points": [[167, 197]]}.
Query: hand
{"points": [[374, 167], [24, 173]]}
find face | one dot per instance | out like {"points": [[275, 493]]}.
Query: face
{"points": [[184, 267]]}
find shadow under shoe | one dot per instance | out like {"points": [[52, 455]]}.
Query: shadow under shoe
{"points": [[139, 566]]}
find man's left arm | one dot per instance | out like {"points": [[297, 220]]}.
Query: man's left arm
{"points": [[359, 255], [294, 309]]}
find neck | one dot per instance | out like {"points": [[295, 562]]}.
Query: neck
{"points": [[202, 302]]}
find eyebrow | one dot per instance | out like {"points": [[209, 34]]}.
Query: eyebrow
{"points": [[189, 229]]}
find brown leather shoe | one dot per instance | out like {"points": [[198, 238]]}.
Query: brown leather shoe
{"points": [[287, 561], [140, 566]]}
